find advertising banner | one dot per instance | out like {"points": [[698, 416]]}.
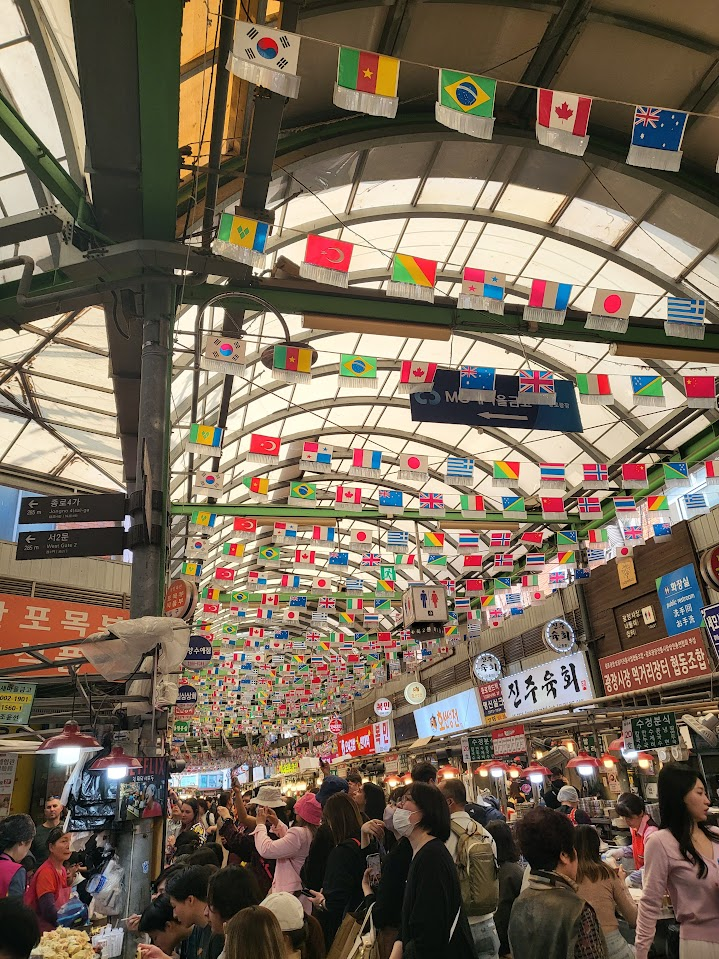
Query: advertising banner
{"points": [[560, 682], [142, 794], [490, 695], [677, 657], [365, 741], [509, 741], [451, 715]]}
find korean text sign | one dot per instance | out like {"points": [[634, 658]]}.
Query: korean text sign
{"points": [[365, 741], [711, 623], [654, 664], [490, 695], [451, 715], [680, 600], [651, 732], [560, 682]]}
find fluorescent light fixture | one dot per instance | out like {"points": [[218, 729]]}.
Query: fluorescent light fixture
{"points": [[350, 324]]}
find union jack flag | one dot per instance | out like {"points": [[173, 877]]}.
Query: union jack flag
{"points": [[370, 559], [535, 381], [500, 537], [326, 602], [595, 472], [558, 577], [589, 504], [633, 532], [313, 636], [431, 501], [647, 117]]}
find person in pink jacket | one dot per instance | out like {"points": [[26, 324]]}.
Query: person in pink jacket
{"points": [[290, 849], [682, 858]]}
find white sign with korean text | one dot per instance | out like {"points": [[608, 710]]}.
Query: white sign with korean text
{"points": [[558, 683]]}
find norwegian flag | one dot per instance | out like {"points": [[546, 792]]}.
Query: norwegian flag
{"points": [[370, 559], [504, 561], [433, 502], [499, 538], [595, 475], [536, 387], [450, 585], [589, 504], [326, 602]]}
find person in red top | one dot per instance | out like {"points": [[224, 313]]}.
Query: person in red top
{"points": [[50, 886], [16, 836], [631, 807]]}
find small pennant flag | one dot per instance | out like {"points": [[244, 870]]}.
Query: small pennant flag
{"points": [[324, 534], [632, 532], [505, 473], [361, 539], [258, 487], [266, 57], [192, 569], [243, 239], [598, 536], [292, 364], [316, 457], [264, 449], [435, 559], [596, 555], [685, 318], [412, 278], [305, 557], [594, 389], [477, 383], [233, 549], [433, 541], [322, 584], [366, 83], [657, 138], [648, 391], [349, 498], [548, 302], [588, 504], [661, 531], [223, 354], [634, 475], [327, 260], [656, 504], [712, 472], [535, 560], [473, 586], [390, 502], [532, 537], [553, 507], [244, 528], [595, 475], [370, 560], [340, 559], [205, 439], [459, 470], [465, 102], [501, 584], [694, 501], [224, 573], [358, 371], [366, 462], [472, 507], [513, 507], [413, 467], [562, 121], [416, 377], [284, 532], [676, 475], [196, 548], [566, 557], [567, 537], [405, 559], [209, 483], [701, 392], [468, 542], [504, 561], [500, 538], [289, 581], [610, 311], [552, 475], [624, 504], [536, 387], [530, 580], [482, 290], [302, 494], [431, 503], [269, 556]]}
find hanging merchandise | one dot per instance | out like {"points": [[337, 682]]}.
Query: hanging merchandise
{"points": [[292, 364], [685, 318], [390, 502], [358, 372], [416, 377], [562, 121], [302, 494], [505, 473], [431, 504], [595, 475], [610, 311], [413, 467], [552, 476], [465, 102], [472, 507], [594, 389], [648, 391], [588, 505], [547, 302], [266, 57], [316, 457], [536, 387], [208, 483], [366, 463], [482, 290], [459, 470], [243, 239], [634, 475], [205, 439], [348, 498], [412, 278], [553, 507], [477, 383], [657, 135], [513, 507], [701, 392], [676, 475], [326, 260], [366, 83], [263, 449], [223, 355], [258, 487]]}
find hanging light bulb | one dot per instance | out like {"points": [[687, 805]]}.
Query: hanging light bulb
{"points": [[514, 771], [585, 764], [68, 745], [570, 746], [644, 760], [448, 772], [539, 754], [483, 772], [117, 764], [497, 769], [536, 773], [608, 760]]}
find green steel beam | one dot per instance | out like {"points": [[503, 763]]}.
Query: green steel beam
{"points": [[38, 159], [159, 24]]}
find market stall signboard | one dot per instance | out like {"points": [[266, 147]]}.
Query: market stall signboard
{"points": [[651, 732]]}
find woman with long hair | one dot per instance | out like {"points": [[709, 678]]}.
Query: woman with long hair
{"points": [[254, 933], [290, 848], [605, 892], [16, 838], [511, 874], [681, 858], [434, 924]]}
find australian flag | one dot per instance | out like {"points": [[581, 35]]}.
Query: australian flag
{"points": [[390, 499], [338, 559], [657, 138]]}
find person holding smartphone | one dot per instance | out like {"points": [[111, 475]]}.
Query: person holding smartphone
{"points": [[289, 850]]}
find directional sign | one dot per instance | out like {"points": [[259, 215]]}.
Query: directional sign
{"points": [[91, 508], [61, 543], [443, 405]]}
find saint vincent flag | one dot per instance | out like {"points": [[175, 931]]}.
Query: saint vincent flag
{"points": [[367, 72], [242, 233], [467, 92]]}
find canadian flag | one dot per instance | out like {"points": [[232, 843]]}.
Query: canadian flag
{"points": [[562, 121], [348, 494]]}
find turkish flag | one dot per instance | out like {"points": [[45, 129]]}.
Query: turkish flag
{"points": [[223, 572], [242, 525], [266, 445], [329, 253]]}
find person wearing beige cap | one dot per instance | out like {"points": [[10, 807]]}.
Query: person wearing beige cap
{"points": [[302, 934], [290, 849]]}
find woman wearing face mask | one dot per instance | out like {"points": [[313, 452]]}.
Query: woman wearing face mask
{"points": [[434, 925], [388, 895], [682, 858]]}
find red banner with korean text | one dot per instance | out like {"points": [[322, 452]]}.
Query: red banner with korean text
{"points": [[655, 664], [30, 621]]}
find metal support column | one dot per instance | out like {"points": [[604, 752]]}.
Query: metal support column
{"points": [[149, 558], [134, 850], [591, 651]]}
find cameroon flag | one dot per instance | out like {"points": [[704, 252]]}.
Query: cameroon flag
{"points": [[367, 72]]}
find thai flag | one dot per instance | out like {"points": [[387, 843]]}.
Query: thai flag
{"points": [[625, 504], [462, 602], [551, 472], [535, 560], [468, 540]]}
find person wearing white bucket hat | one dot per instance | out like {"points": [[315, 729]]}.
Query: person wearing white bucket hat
{"points": [[289, 850], [302, 934]]}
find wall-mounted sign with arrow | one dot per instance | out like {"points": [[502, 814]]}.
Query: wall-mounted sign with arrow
{"points": [[88, 508]]}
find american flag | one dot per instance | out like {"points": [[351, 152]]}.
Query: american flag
{"points": [[500, 537], [370, 559], [431, 501], [589, 504], [535, 382], [595, 472]]}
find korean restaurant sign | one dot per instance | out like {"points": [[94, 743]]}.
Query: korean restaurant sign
{"points": [[30, 621], [16, 701], [365, 741], [667, 661], [490, 695], [558, 683], [451, 715]]}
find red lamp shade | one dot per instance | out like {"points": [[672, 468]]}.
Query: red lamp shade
{"points": [[117, 764], [535, 773], [616, 745], [607, 760], [448, 772], [514, 771], [496, 768], [585, 764], [67, 744]]}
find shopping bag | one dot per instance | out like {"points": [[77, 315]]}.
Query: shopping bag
{"points": [[344, 939]]}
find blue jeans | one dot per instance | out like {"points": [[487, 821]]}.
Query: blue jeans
{"points": [[486, 940]]}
